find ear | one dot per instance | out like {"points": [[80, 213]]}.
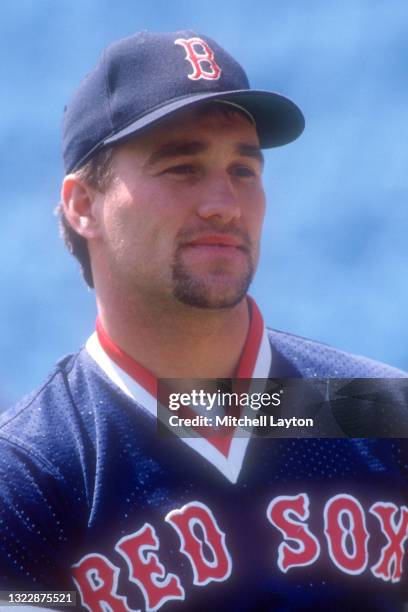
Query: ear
{"points": [[79, 202]]}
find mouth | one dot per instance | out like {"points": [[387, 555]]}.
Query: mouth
{"points": [[217, 241]]}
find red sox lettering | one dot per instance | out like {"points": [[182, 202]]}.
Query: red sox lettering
{"points": [[183, 521], [345, 530], [97, 583], [340, 506], [143, 567], [201, 58], [280, 513], [396, 534]]}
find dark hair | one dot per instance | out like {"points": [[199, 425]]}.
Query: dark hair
{"points": [[97, 172]]}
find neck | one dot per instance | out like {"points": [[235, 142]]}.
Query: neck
{"points": [[182, 342]]}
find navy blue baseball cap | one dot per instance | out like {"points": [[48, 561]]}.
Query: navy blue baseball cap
{"points": [[141, 79]]}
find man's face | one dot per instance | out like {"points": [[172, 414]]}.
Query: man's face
{"points": [[181, 219]]}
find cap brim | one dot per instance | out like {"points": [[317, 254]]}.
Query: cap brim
{"points": [[278, 119]]}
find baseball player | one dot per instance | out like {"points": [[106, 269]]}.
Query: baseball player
{"points": [[162, 204]]}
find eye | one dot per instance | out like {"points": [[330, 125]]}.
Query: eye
{"points": [[243, 171], [181, 170]]}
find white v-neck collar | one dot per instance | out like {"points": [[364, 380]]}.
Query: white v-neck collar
{"points": [[230, 466]]}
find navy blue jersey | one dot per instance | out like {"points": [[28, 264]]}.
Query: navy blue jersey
{"points": [[92, 500]]}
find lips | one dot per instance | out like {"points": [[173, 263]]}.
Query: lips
{"points": [[216, 240]]}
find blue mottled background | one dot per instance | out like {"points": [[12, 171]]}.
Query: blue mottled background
{"points": [[334, 251]]}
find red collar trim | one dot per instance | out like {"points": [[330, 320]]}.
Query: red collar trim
{"points": [[249, 355], [140, 374], [148, 381]]}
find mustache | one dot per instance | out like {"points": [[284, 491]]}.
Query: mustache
{"points": [[187, 235]]}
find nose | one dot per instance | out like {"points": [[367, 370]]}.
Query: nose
{"points": [[219, 200]]}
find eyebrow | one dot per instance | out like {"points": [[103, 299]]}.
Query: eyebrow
{"points": [[170, 150], [250, 150]]}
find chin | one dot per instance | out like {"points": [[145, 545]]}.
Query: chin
{"points": [[221, 287], [201, 293]]}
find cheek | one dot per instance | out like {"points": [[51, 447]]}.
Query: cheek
{"points": [[256, 214], [142, 220], [261, 208], [254, 222], [122, 224]]}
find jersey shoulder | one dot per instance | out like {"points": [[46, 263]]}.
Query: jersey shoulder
{"points": [[313, 359], [48, 427], [51, 399], [66, 417]]}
